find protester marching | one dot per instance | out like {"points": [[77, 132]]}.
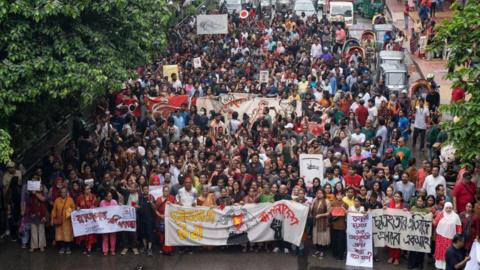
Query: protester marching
{"points": [[264, 134]]}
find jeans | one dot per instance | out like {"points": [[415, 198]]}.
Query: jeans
{"points": [[416, 132]]}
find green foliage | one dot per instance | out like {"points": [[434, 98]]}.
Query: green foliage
{"points": [[62, 49], [463, 35], [5, 150]]}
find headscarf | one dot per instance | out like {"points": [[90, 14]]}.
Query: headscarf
{"points": [[447, 226]]}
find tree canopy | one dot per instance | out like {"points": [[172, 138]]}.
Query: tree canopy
{"points": [[58, 49], [462, 34]]}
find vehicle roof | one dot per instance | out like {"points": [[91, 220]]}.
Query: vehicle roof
{"points": [[383, 27], [392, 55], [392, 67]]}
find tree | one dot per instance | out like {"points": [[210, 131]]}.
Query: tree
{"points": [[59, 49], [462, 35]]}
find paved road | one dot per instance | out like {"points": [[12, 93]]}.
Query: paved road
{"points": [[12, 257]]}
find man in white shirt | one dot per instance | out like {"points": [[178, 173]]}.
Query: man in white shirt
{"points": [[379, 99], [187, 195], [433, 180], [357, 138], [372, 112], [176, 83], [420, 124], [316, 49]]}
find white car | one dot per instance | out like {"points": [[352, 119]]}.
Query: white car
{"points": [[320, 4], [304, 6], [233, 5]]}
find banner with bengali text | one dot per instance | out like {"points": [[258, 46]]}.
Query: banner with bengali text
{"points": [[104, 220], [250, 104], [235, 225], [397, 228], [359, 240]]}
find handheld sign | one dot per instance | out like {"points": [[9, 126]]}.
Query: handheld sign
{"points": [[244, 14], [197, 62], [33, 185]]}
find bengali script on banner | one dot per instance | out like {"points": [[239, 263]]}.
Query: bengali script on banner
{"points": [[359, 240], [397, 228], [104, 220], [234, 225], [251, 104]]}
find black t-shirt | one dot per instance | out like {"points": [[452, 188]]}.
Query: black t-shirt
{"points": [[453, 256], [279, 197]]}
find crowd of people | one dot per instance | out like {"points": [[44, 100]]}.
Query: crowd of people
{"points": [[370, 139]]}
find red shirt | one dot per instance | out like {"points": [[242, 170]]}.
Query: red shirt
{"points": [[458, 94], [464, 193], [352, 180], [362, 114]]}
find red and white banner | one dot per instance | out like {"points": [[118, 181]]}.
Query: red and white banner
{"points": [[235, 225], [164, 106], [250, 104], [104, 220]]}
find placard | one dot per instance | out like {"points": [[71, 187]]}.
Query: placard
{"points": [[155, 191], [263, 78], [33, 185], [311, 166], [359, 240], [338, 211], [197, 62], [89, 182], [168, 70]]}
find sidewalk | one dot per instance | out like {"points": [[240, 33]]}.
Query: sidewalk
{"points": [[436, 67]]}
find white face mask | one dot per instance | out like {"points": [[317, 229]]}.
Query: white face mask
{"points": [[201, 113]]}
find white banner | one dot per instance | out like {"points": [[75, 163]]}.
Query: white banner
{"points": [[397, 228], [250, 104], [104, 220], [212, 24], [234, 225], [359, 240], [474, 263], [311, 166]]}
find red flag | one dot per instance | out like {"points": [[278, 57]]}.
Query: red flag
{"points": [[166, 105]]}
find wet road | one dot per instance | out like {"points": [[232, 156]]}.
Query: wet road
{"points": [[12, 257]]}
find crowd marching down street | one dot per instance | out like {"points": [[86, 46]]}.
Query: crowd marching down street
{"points": [[281, 133]]}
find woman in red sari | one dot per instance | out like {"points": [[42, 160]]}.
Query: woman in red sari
{"points": [[469, 225], [87, 200], [161, 203], [394, 254]]}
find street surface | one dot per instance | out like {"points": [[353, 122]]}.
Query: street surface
{"points": [[12, 257]]}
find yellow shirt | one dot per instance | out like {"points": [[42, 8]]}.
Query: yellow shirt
{"points": [[302, 87], [348, 201]]}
